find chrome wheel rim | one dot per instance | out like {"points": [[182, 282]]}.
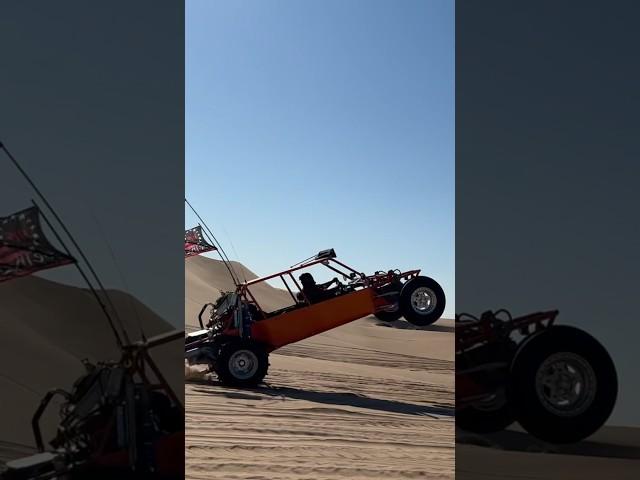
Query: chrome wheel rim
{"points": [[566, 384], [423, 300], [243, 364]]}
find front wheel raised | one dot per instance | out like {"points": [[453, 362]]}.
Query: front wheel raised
{"points": [[422, 301], [563, 385], [242, 364]]}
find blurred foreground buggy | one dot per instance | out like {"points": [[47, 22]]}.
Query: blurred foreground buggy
{"points": [[115, 423], [239, 336], [556, 381]]}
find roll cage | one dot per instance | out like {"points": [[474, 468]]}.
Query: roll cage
{"points": [[471, 331], [328, 259]]}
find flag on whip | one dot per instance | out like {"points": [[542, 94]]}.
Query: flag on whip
{"points": [[194, 242], [24, 249]]}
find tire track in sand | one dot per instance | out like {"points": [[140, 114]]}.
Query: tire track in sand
{"points": [[318, 425]]}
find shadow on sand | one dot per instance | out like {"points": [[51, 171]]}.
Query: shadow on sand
{"points": [[404, 325], [522, 442], [331, 398]]}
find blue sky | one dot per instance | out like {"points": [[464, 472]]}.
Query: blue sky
{"points": [[312, 125]]}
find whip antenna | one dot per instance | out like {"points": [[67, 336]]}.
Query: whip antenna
{"points": [[77, 247], [214, 241]]}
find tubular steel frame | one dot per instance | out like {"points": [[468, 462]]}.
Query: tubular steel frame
{"points": [[482, 331], [374, 281]]}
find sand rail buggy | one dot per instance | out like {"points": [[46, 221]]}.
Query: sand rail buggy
{"points": [[239, 335], [557, 381], [115, 423]]}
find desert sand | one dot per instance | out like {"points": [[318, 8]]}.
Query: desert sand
{"points": [[366, 400], [612, 452], [46, 329]]}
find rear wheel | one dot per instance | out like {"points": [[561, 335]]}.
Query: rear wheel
{"points": [[422, 301], [242, 364], [563, 385]]}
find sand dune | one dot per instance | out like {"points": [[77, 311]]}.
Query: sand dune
{"points": [[46, 329], [366, 400]]}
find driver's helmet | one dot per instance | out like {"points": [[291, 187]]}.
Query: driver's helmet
{"points": [[307, 280]]}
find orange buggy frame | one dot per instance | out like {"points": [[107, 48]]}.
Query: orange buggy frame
{"points": [[305, 319], [242, 325]]}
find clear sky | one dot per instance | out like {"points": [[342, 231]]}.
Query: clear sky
{"points": [[312, 125]]}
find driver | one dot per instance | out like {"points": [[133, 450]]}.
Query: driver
{"points": [[317, 292]]}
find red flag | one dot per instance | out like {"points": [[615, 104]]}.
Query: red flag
{"points": [[23, 247], [194, 242]]}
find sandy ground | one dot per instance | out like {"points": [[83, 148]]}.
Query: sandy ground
{"points": [[46, 329], [366, 400], [613, 452]]}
